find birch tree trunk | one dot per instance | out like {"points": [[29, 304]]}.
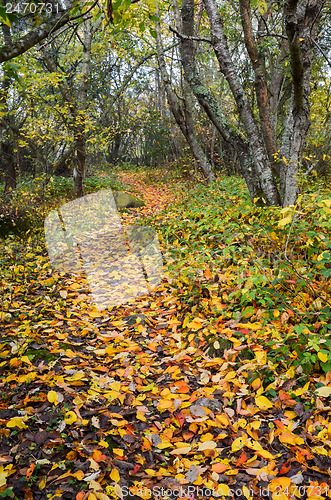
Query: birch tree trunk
{"points": [[257, 148], [183, 116], [209, 103]]}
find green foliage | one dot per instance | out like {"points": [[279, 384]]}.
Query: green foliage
{"points": [[272, 265]]}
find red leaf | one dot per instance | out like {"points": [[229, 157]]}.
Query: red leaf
{"points": [[242, 459], [285, 468]]}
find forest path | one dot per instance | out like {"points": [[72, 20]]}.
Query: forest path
{"points": [[155, 196]]}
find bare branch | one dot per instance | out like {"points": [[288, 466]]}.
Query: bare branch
{"points": [[184, 37]]}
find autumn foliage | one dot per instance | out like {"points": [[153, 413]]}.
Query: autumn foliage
{"points": [[217, 384]]}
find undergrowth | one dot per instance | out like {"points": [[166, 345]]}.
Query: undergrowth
{"points": [[263, 265]]}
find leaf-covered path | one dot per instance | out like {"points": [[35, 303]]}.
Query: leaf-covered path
{"points": [[129, 403]]}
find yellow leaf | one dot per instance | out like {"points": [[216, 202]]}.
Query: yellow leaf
{"points": [[322, 356], [280, 482], [79, 474], [164, 444], [207, 445], [164, 405], [186, 322], [303, 389], [118, 451], [70, 417], [115, 386], [151, 472], [141, 416], [182, 445], [195, 324], [103, 443], [285, 221], [325, 391], [25, 359], [92, 497], [261, 356], [42, 483], [3, 476], [253, 445], [223, 490], [263, 403], [17, 422], [115, 476], [52, 396], [238, 443], [256, 384], [265, 454]]}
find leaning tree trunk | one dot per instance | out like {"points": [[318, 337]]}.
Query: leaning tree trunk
{"points": [[183, 117], [261, 160], [207, 100]]}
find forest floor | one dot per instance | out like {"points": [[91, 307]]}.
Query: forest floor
{"points": [[217, 384]]}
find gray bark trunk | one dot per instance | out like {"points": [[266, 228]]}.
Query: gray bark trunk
{"points": [[261, 160], [183, 117], [301, 21]]}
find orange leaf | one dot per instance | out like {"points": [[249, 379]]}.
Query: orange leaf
{"points": [[287, 438], [80, 495], [218, 467], [30, 470], [98, 456], [242, 459], [285, 468], [79, 474], [208, 274]]}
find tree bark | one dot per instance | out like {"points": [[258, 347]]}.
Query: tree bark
{"points": [[261, 160], [209, 104], [261, 88], [80, 138], [6, 133], [301, 21], [183, 117]]}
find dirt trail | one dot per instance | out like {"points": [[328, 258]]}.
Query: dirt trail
{"points": [[156, 197]]}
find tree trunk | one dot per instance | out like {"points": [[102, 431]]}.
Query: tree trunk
{"points": [[80, 138], [261, 160], [6, 134], [210, 105], [183, 117], [261, 88], [301, 21]]}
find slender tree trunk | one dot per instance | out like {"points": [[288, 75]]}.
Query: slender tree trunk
{"points": [[80, 137], [7, 140], [6, 134], [183, 117], [262, 162], [301, 21], [261, 88], [208, 102]]}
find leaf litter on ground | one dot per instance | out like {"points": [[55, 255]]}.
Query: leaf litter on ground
{"points": [[174, 394]]}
